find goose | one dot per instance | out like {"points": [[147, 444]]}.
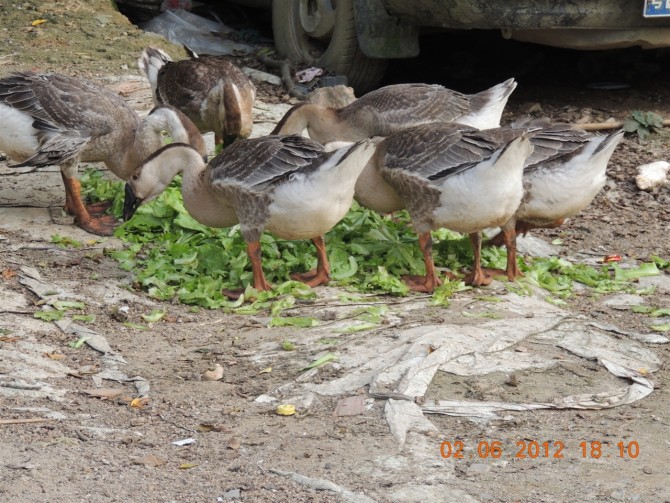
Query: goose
{"points": [[287, 185], [52, 119], [211, 90], [395, 107], [447, 176], [565, 172]]}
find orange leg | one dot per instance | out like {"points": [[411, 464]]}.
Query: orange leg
{"points": [[430, 281], [509, 236], [522, 229], [254, 252], [321, 275], [103, 226], [477, 277], [260, 283]]}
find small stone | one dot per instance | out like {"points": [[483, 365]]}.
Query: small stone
{"points": [[233, 494]]}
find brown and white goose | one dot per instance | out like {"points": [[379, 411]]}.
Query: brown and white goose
{"points": [[447, 176], [561, 177], [287, 185], [396, 107], [50, 119], [211, 90]]}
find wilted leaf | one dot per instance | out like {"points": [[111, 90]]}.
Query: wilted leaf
{"points": [[219, 428], [54, 356], [138, 403], [266, 370], [149, 460], [234, 444], [8, 273], [285, 409], [187, 466]]}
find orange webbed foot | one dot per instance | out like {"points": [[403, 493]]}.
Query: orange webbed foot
{"points": [[311, 278], [478, 278], [421, 283], [100, 226]]}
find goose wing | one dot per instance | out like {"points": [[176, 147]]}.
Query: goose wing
{"points": [[555, 145], [260, 162], [437, 151], [403, 105], [67, 112]]}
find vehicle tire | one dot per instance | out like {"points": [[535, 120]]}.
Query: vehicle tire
{"points": [[322, 33], [141, 10]]}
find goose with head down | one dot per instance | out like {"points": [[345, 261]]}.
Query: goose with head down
{"points": [[51, 119], [396, 107], [211, 90], [287, 185], [447, 176], [561, 177]]}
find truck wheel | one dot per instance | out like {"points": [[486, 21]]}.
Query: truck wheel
{"points": [[322, 33]]}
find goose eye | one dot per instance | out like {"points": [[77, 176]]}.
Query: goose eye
{"points": [[135, 177]]}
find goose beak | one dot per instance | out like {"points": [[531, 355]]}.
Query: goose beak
{"points": [[130, 204]]}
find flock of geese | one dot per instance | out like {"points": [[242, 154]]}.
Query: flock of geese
{"points": [[438, 153]]}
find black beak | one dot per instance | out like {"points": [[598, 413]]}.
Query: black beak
{"points": [[130, 204]]}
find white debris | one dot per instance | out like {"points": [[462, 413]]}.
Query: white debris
{"points": [[652, 175]]}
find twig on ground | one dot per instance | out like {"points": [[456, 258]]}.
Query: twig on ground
{"points": [[603, 126], [24, 421]]}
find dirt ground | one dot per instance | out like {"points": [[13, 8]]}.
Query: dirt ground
{"points": [[119, 447]]}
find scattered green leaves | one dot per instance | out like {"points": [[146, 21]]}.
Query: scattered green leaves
{"points": [[646, 269], [78, 343], [174, 257], [49, 315], [317, 363], [643, 123], [660, 263], [154, 316], [288, 345], [293, 322], [65, 241]]}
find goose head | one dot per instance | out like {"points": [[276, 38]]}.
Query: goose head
{"points": [[157, 172]]}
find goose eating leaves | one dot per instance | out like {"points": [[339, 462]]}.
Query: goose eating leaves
{"points": [[287, 185], [51, 119], [451, 176]]}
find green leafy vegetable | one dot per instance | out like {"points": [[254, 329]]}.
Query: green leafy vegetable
{"points": [[49, 315], [646, 269], [287, 346], [153, 316], [65, 241], [293, 322], [317, 363], [643, 123], [175, 258]]}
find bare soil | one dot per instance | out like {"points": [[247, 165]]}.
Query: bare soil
{"points": [[89, 449]]}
